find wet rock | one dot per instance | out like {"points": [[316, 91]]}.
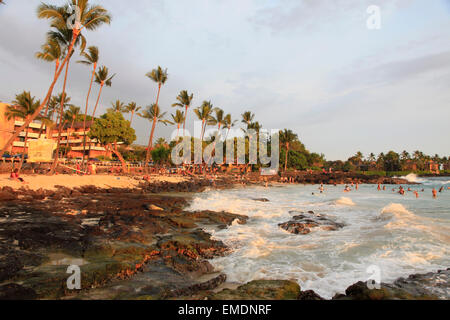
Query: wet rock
{"points": [[261, 290], [13, 291], [303, 223], [7, 195], [309, 295], [261, 200], [430, 286]]}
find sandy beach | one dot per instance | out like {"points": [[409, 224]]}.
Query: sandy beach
{"points": [[36, 182]]}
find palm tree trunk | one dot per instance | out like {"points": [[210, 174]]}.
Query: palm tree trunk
{"points": [[61, 111], [131, 119], [85, 114], [96, 104], [50, 90], [23, 153], [150, 142], [285, 163], [119, 155], [184, 122], [178, 131], [46, 106], [68, 136]]}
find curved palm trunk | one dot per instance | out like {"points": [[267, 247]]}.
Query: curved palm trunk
{"points": [[150, 143], [85, 114], [46, 106], [178, 130], [61, 112], [22, 158], [50, 90], [93, 116], [119, 155], [98, 99]]}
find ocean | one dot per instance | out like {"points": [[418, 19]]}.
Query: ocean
{"points": [[384, 231]]}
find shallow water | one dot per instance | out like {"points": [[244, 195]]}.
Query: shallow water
{"points": [[400, 235]]}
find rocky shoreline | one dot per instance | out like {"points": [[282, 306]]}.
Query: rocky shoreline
{"points": [[141, 244]]}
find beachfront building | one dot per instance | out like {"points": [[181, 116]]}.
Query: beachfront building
{"points": [[71, 136]]}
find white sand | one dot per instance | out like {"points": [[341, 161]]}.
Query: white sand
{"points": [[36, 182]]}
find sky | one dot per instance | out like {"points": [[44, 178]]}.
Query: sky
{"points": [[312, 66]]}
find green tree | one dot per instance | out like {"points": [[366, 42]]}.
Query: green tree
{"points": [[287, 137], [110, 129], [23, 107], [247, 118], [118, 106], [392, 162]]}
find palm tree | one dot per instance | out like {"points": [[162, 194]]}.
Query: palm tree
{"points": [[51, 52], [184, 101], [118, 106], [90, 18], [218, 119], [71, 115], [159, 76], [229, 123], [23, 107], [287, 137], [132, 108], [91, 59], [152, 113], [64, 101], [204, 114], [178, 119], [101, 77], [247, 118]]}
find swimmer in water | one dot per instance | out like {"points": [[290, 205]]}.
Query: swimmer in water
{"points": [[384, 188], [441, 189], [379, 187], [417, 194], [434, 193]]}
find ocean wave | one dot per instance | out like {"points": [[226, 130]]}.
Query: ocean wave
{"points": [[412, 177], [344, 201]]}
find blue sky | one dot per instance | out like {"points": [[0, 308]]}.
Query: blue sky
{"points": [[311, 65]]}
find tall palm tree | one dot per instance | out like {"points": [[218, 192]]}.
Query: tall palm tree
{"points": [[159, 76], [218, 119], [23, 107], [229, 123], [71, 115], [184, 101], [90, 18], [63, 101], [132, 108], [51, 52], [118, 106], [152, 113], [247, 118], [90, 59], [287, 137], [204, 114], [101, 77], [178, 119]]}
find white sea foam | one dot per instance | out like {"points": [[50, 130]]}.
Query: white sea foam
{"points": [[409, 236], [344, 201]]}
